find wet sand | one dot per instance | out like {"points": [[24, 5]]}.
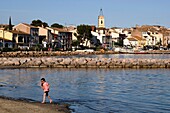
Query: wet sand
{"points": [[16, 106]]}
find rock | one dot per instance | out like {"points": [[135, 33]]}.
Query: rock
{"points": [[84, 62]]}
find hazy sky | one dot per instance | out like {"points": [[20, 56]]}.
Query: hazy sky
{"points": [[118, 13]]}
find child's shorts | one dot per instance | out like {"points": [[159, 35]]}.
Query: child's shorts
{"points": [[46, 92]]}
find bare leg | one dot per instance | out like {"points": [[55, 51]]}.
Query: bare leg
{"points": [[44, 96], [50, 99]]}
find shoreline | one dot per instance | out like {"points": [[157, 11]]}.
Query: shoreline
{"points": [[10, 105]]}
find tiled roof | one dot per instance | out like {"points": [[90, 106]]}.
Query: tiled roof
{"points": [[127, 29], [100, 28], [29, 25], [62, 29], [18, 32], [132, 39], [135, 38], [138, 38]]}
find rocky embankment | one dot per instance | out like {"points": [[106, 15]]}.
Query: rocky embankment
{"points": [[24, 59], [53, 62], [49, 53], [71, 53]]}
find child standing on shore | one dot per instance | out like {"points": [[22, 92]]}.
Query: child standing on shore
{"points": [[46, 88]]}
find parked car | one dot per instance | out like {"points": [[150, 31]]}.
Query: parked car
{"points": [[23, 47]]}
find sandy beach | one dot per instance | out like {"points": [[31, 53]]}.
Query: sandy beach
{"points": [[16, 106]]}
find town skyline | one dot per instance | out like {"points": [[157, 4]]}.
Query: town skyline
{"points": [[117, 13]]}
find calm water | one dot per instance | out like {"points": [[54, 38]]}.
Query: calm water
{"points": [[135, 56], [94, 90]]}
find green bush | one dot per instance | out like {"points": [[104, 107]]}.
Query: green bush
{"points": [[15, 49]]}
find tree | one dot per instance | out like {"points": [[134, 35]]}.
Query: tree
{"points": [[39, 23], [75, 43], [56, 25], [84, 33], [45, 24], [165, 33]]}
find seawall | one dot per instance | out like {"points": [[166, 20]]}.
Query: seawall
{"points": [[53, 62], [71, 53]]}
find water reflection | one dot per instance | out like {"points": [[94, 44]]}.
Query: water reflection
{"points": [[93, 90], [134, 56]]}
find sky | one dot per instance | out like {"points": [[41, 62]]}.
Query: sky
{"points": [[117, 13]]}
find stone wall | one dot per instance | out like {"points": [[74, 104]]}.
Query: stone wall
{"points": [[53, 62], [50, 53], [69, 53]]}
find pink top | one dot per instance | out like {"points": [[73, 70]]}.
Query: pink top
{"points": [[46, 86]]}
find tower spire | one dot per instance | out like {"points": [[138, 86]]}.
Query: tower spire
{"points": [[101, 12]]}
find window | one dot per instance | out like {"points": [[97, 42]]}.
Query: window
{"points": [[20, 39], [101, 22], [145, 36], [148, 33]]}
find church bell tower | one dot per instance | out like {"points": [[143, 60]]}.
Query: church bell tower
{"points": [[101, 22]]}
